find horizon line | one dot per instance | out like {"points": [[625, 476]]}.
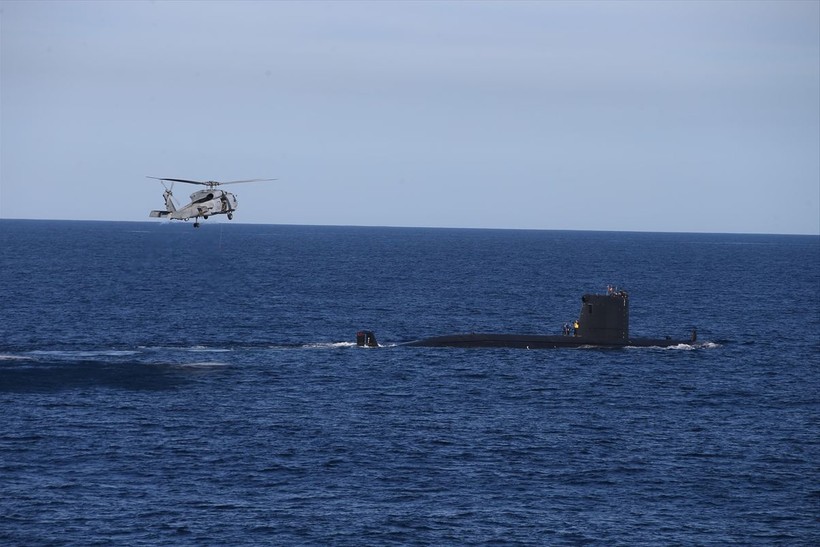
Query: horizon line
{"points": [[598, 230]]}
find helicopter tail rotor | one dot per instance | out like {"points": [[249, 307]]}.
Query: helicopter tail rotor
{"points": [[170, 206]]}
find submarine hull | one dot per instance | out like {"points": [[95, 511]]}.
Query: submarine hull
{"points": [[603, 322], [535, 341]]}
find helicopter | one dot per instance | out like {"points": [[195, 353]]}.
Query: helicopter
{"points": [[204, 203]]}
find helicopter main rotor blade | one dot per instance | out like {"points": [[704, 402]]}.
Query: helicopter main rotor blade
{"points": [[211, 183], [248, 180], [184, 180]]}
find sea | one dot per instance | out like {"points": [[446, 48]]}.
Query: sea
{"points": [[161, 384]]}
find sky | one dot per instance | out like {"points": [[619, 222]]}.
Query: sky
{"points": [[630, 116]]}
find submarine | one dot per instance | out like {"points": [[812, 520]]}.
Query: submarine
{"points": [[603, 322]]}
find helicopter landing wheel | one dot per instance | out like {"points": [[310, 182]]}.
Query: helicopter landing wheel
{"points": [[196, 224], [230, 216]]}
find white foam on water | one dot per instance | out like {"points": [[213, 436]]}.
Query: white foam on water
{"points": [[191, 349], [683, 347], [329, 345], [690, 347], [15, 358], [680, 347]]}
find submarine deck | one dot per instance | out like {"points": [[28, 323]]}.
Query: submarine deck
{"points": [[535, 341]]}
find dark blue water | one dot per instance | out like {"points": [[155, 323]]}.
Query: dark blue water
{"points": [[161, 384]]}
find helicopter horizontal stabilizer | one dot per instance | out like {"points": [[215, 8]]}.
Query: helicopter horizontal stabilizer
{"points": [[159, 214]]}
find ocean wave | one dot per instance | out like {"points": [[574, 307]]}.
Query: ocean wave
{"points": [[83, 353], [206, 349], [192, 349], [203, 365]]}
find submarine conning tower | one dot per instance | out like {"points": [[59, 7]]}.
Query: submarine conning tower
{"points": [[604, 317]]}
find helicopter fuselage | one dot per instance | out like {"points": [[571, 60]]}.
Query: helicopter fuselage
{"points": [[208, 202], [204, 203]]}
